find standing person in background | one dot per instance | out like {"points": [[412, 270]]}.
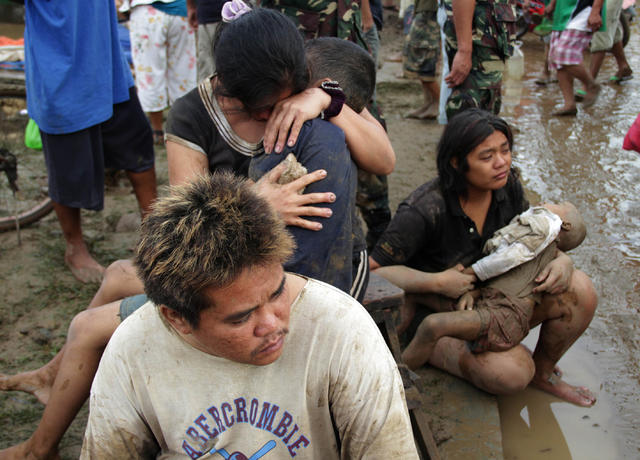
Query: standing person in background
{"points": [[163, 46], [323, 18], [479, 36], [81, 95], [205, 16], [574, 22], [610, 40], [372, 21], [422, 52]]}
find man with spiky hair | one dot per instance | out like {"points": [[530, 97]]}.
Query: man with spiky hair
{"points": [[234, 356]]}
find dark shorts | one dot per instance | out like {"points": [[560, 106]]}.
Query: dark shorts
{"points": [[131, 304], [76, 161], [360, 282]]}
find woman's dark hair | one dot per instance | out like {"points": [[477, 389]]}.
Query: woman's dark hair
{"points": [[257, 56], [464, 132]]}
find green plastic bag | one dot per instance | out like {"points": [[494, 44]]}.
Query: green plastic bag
{"points": [[32, 137]]}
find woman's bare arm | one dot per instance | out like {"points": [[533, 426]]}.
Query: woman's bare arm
{"points": [[367, 140]]}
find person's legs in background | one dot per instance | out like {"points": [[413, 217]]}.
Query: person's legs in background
{"points": [[181, 58], [610, 40], [128, 145], [73, 188], [206, 59], [149, 44], [422, 53], [566, 55]]}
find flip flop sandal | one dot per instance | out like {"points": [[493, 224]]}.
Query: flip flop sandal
{"points": [[545, 81], [579, 95], [618, 79]]}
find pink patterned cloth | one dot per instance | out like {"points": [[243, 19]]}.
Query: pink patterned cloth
{"points": [[567, 46], [632, 139]]}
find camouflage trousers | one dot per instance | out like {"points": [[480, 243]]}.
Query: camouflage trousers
{"points": [[482, 87], [372, 197], [422, 47]]}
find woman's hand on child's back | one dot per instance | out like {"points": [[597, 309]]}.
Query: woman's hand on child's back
{"points": [[288, 115], [290, 204]]}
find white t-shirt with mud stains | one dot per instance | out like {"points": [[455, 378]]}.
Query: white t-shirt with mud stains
{"points": [[335, 392]]}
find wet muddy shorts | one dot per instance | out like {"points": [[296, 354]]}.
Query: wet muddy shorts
{"points": [[504, 321], [131, 304], [76, 161], [422, 47], [567, 47]]}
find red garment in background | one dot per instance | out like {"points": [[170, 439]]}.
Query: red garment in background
{"points": [[632, 139]]}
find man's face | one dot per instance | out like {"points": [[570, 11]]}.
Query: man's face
{"points": [[248, 319]]}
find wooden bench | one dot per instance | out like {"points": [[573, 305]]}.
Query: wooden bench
{"points": [[381, 299]]}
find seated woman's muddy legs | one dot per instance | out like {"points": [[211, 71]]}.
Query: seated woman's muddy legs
{"points": [[564, 318]]}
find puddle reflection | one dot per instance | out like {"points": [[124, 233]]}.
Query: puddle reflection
{"points": [[536, 425]]}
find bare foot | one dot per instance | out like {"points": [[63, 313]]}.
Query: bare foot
{"points": [[580, 396], [23, 451], [83, 266], [395, 57], [556, 369], [37, 383], [591, 96], [430, 114], [416, 113], [426, 112]]}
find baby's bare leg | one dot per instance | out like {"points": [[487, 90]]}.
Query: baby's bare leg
{"points": [[463, 325]]}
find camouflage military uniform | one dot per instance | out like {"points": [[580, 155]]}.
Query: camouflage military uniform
{"points": [[323, 18], [422, 44], [492, 35]]}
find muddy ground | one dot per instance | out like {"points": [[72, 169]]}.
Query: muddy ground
{"points": [[40, 296]]}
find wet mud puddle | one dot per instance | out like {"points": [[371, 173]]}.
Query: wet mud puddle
{"points": [[580, 159]]}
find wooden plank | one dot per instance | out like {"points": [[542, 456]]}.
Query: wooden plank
{"points": [[382, 294]]}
